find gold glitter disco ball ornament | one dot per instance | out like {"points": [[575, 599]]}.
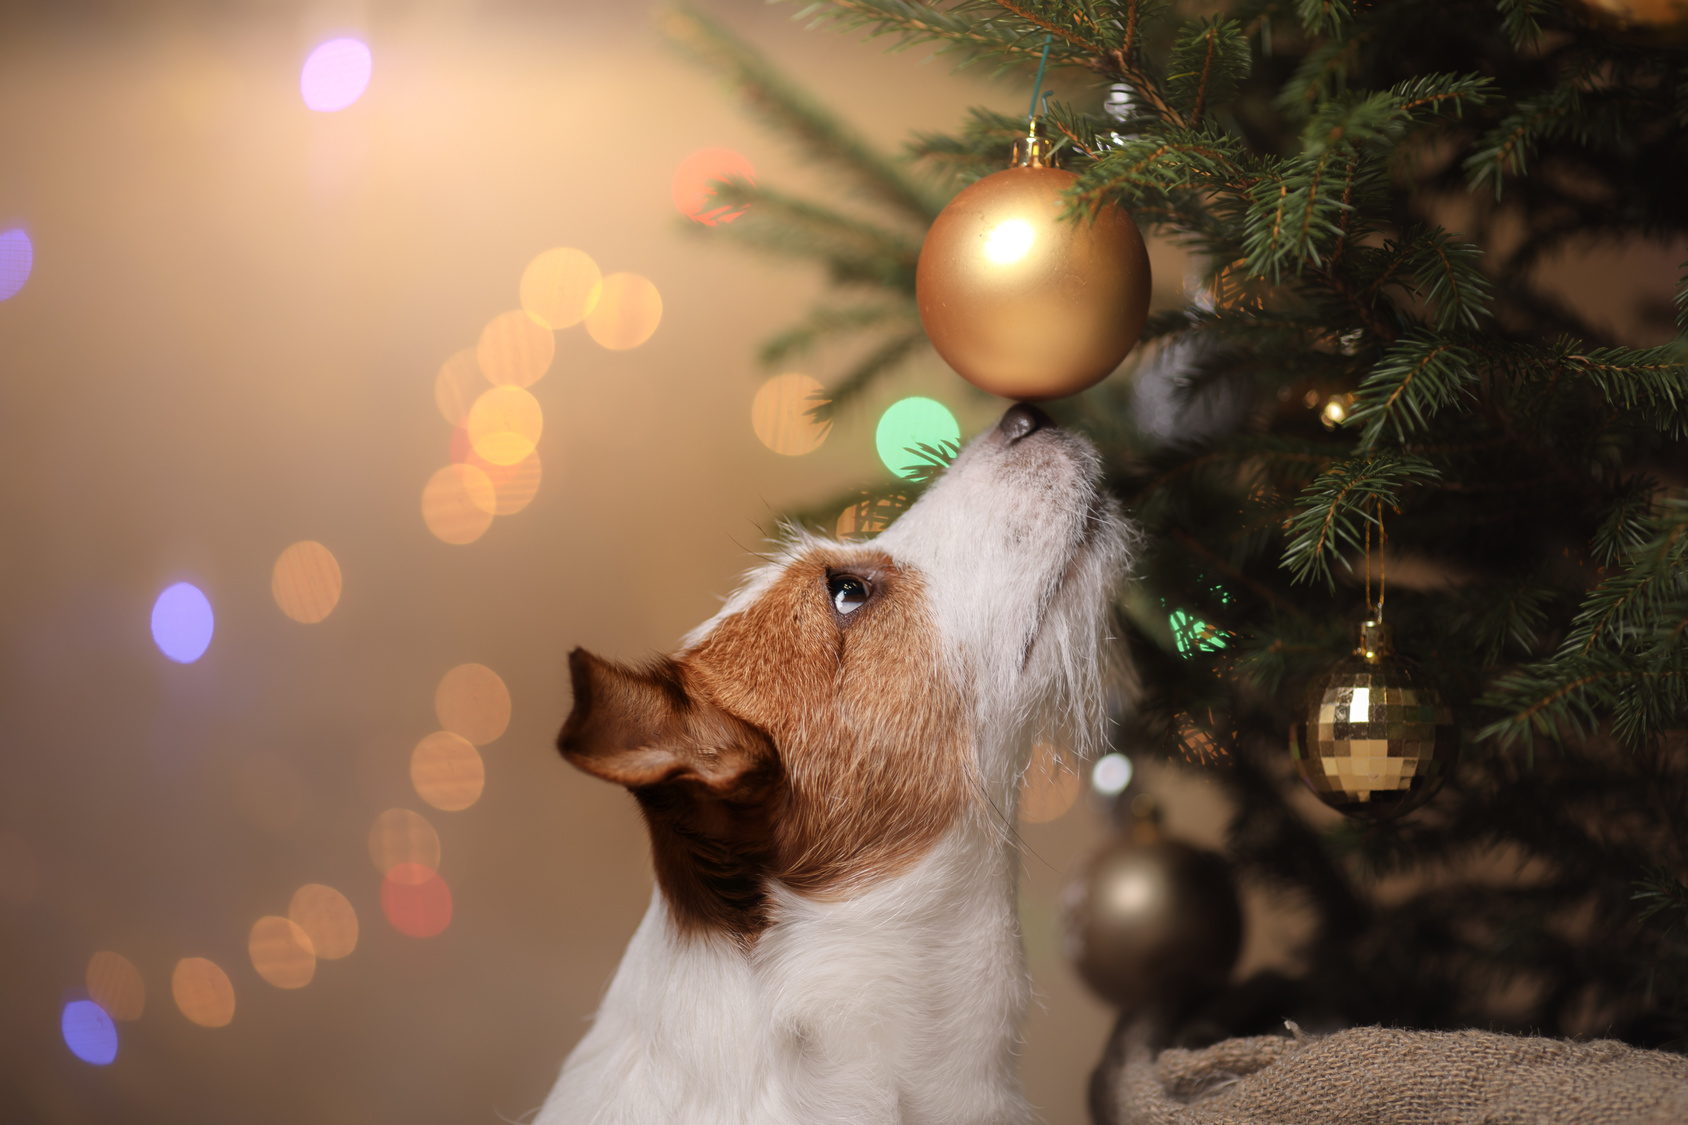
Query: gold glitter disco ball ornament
{"points": [[1149, 920], [1377, 739], [1022, 302]]}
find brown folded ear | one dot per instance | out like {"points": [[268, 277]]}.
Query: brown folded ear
{"points": [[639, 727], [710, 785]]}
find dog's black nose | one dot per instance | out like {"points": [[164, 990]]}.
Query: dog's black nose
{"points": [[1022, 420]]}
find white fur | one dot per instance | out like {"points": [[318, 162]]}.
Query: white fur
{"points": [[903, 1002]]}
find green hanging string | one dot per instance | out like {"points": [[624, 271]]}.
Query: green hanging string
{"points": [[1037, 87]]}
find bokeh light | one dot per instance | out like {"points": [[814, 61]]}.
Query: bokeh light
{"points": [[403, 836], [116, 985], [515, 349], [870, 516], [335, 75], [694, 183], [909, 423], [628, 310], [1050, 786], [306, 582], [89, 1032], [458, 384], [560, 286], [1111, 774], [504, 425], [17, 258], [203, 992], [327, 919], [458, 503], [182, 623], [281, 952], [513, 486], [20, 871], [447, 771], [780, 414], [472, 701], [416, 900]]}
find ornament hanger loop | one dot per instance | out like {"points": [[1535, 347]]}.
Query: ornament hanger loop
{"points": [[1034, 150], [1376, 638]]}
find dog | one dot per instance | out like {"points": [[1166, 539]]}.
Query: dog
{"points": [[828, 769]]}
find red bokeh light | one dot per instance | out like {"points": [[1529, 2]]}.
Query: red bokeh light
{"points": [[694, 180], [416, 900]]}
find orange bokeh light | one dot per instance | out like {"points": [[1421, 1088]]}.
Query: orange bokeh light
{"points": [[447, 771], [514, 486], [1050, 786], [458, 384], [327, 919], [306, 582], [780, 415], [515, 349], [116, 985], [282, 952], [416, 900], [869, 517], [203, 992], [504, 425], [629, 309], [472, 702], [403, 836], [458, 503], [694, 184], [560, 286]]}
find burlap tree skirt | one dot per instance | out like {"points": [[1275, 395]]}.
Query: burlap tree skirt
{"points": [[1370, 1076]]}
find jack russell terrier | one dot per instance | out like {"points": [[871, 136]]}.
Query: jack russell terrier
{"points": [[829, 771]]}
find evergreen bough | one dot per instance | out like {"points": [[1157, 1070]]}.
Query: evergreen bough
{"points": [[1528, 469]]}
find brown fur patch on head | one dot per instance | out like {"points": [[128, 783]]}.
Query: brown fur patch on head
{"points": [[795, 741]]}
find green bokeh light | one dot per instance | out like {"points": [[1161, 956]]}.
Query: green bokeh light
{"points": [[909, 423]]}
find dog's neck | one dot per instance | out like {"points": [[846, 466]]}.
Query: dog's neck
{"points": [[899, 1003]]}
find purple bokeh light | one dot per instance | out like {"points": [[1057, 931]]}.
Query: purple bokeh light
{"points": [[17, 258], [182, 623], [89, 1032], [335, 75]]}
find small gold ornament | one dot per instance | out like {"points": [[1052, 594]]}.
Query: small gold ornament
{"points": [[1021, 302], [1150, 920], [1377, 739]]}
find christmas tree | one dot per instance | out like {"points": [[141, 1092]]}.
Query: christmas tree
{"points": [[1370, 382]]}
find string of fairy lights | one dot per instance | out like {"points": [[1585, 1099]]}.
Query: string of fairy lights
{"points": [[492, 469]]}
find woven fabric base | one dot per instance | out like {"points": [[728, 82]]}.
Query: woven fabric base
{"points": [[1372, 1076]]}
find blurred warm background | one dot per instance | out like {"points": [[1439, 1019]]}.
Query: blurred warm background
{"points": [[317, 466]]}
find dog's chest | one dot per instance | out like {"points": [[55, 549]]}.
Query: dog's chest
{"points": [[894, 1006]]}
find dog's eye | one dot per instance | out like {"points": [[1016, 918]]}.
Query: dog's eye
{"points": [[848, 592]]}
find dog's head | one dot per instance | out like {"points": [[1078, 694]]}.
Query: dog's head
{"points": [[853, 702]]}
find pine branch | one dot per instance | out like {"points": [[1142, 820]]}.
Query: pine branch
{"points": [[1323, 17], [860, 378], [1682, 289], [1210, 59], [1420, 375], [1343, 499], [1649, 380], [829, 322], [855, 251], [1521, 20], [819, 134]]}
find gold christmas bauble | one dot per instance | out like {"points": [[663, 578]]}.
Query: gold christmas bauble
{"points": [[1376, 739], [1150, 920], [1022, 302]]}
